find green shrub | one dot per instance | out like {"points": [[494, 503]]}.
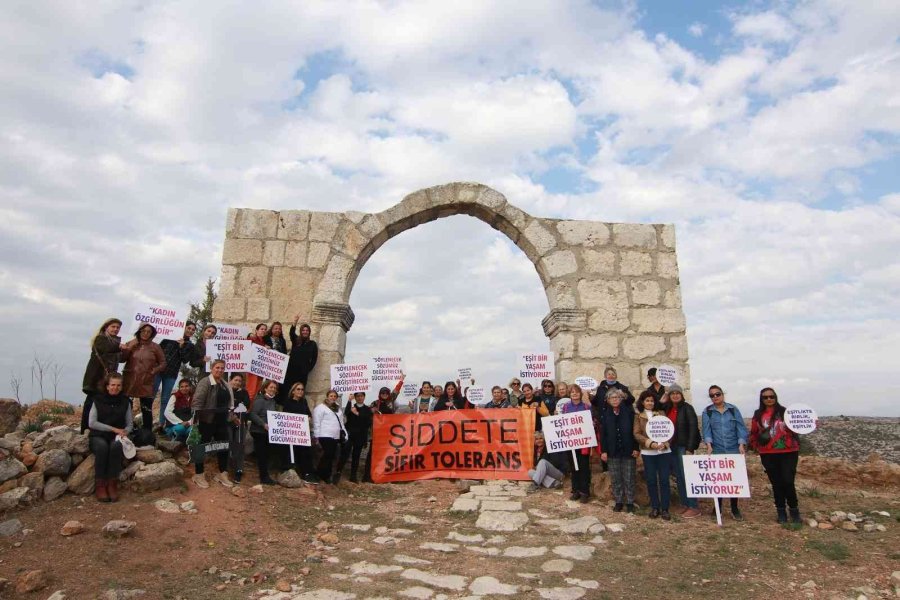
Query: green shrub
{"points": [[31, 426], [830, 550]]}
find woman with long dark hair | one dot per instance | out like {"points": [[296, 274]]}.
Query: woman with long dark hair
{"points": [[779, 451], [303, 357], [275, 338], [251, 381], [581, 459], [144, 360], [106, 351], [451, 399], [110, 421], [656, 457], [259, 428], [686, 441]]}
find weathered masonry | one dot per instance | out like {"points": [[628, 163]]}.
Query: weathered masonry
{"points": [[612, 288]]}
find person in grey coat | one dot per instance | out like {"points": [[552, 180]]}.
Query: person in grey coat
{"points": [[259, 428]]}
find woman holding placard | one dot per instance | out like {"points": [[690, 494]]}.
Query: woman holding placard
{"points": [[724, 432], [618, 448], [259, 428], [654, 436], [275, 338], [328, 424], [779, 451], [686, 441], [581, 459], [252, 382], [296, 403]]}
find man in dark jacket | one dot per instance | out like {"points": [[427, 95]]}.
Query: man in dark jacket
{"points": [[358, 417], [656, 388]]}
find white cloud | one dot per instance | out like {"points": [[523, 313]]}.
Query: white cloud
{"points": [[697, 29], [766, 26]]}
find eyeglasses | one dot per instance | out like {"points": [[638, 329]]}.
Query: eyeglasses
{"points": [[768, 397], [715, 395]]}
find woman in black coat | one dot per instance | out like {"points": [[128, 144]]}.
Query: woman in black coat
{"points": [[610, 382], [303, 357], [686, 441], [106, 351]]}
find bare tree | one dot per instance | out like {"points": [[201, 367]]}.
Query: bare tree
{"points": [[15, 382], [56, 370], [40, 366]]}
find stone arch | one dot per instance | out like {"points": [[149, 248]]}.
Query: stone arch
{"points": [[612, 289]]}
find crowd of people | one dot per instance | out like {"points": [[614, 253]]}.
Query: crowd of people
{"points": [[223, 409]]}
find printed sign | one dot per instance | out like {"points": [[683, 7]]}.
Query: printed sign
{"points": [[571, 431], [169, 323], [666, 375], [535, 366], [464, 444], [235, 353], [268, 363], [409, 392], [385, 371], [350, 378], [586, 383], [464, 374], [660, 428], [716, 476], [288, 428], [224, 331], [215, 447], [476, 395], [800, 418]]}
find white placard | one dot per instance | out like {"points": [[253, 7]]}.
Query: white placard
{"points": [[225, 331], [476, 395], [571, 431], [409, 392], [660, 428], [235, 353], [535, 366], [464, 374], [716, 476], [385, 371], [288, 428], [268, 363], [666, 375], [586, 383], [169, 323], [800, 418], [350, 378]]}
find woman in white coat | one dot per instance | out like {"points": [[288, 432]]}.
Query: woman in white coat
{"points": [[330, 431]]}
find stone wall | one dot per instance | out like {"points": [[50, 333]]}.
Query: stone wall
{"points": [[612, 288]]}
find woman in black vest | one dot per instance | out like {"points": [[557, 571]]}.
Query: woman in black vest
{"points": [[296, 403], [109, 420]]}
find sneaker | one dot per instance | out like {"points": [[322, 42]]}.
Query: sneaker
{"points": [[654, 513], [736, 515], [222, 478], [618, 507], [238, 475], [556, 485], [533, 488], [795, 516], [200, 481], [691, 513], [629, 508], [585, 498], [665, 515], [575, 496], [310, 479]]}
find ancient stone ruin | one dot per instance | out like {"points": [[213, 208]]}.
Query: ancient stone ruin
{"points": [[612, 288]]}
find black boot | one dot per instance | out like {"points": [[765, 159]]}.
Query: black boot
{"points": [[782, 515], [795, 515]]}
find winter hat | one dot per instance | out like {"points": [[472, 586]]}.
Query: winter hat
{"points": [[676, 388]]}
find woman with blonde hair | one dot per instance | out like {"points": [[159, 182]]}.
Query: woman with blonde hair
{"points": [[106, 352]]}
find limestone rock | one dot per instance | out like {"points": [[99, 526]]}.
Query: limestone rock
{"points": [[55, 461], [71, 528], [448, 582], [10, 528], [290, 479], [118, 528], [54, 488], [557, 565], [10, 414], [13, 498], [129, 471], [524, 551], [149, 456], [58, 595], [634, 235], [574, 552], [501, 520], [440, 547], [31, 581], [561, 593], [166, 505], [157, 476], [122, 594], [465, 505], [35, 484], [490, 586], [11, 468]]}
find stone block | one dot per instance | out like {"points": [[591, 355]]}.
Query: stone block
{"points": [[257, 224], [583, 233], [465, 505], [643, 346], [351, 242], [540, 238], [608, 295], [438, 196], [286, 308], [295, 254], [634, 235], [672, 298], [667, 236], [335, 283], [291, 282], [332, 337], [490, 198], [563, 345], [227, 281], [242, 252], [561, 295], [273, 253], [317, 256], [293, 225], [678, 349], [636, 263], [656, 320], [323, 226], [354, 216], [229, 309], [609, 319], [516, 217], [371, 226], [252, 281], [598, 346], [644, 292], [258, 309], [600, 262], [667, 265], [559, 264], [231, 221]]}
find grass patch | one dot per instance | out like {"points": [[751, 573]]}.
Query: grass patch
{"points": [[53, 418], [31, 426], [813, 492], [830, 550]]}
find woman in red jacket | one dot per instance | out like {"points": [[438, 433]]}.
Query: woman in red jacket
{"points": [[779, 451], [251, 381]]}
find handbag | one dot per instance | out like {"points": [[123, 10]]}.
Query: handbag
{"points": [[343, 438]]}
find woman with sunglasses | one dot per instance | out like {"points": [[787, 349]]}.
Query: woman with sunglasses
{"points": [[515, 392], [724, 432], [547, 397], [779, 451]]}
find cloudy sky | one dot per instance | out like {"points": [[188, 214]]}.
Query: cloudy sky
{"points": [[766, 131]]}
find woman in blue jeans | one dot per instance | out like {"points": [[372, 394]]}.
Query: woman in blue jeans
{"points": [[685, 442], [656, 456], [724, 433]]}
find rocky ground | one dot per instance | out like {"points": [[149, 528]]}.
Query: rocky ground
{"points": [[854, 438]]}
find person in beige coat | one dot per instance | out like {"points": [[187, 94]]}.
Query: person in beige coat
{"points": [[213, 406], [144, 359], [656, 457]]}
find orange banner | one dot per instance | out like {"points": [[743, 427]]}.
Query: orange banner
{"points": [[494, 443]]}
